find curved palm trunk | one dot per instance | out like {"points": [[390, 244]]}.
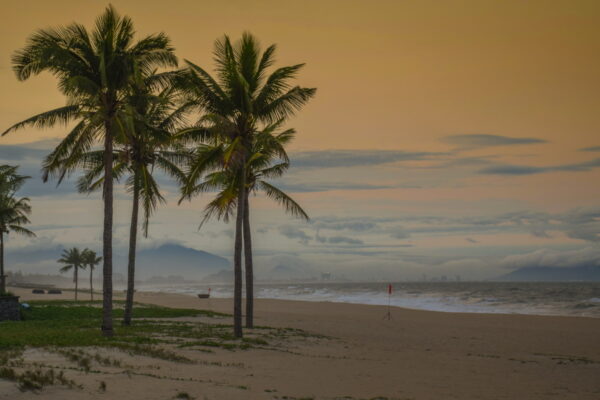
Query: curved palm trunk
{"points": [[131, 261], [107, 289], [249, 266], [2, 276], [91, 284], [76, 279], [237, 259]]}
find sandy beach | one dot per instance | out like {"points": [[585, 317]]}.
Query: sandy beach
{"points": [[351, 350]]}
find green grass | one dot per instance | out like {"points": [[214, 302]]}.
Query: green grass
{"points": [[69, 323]]}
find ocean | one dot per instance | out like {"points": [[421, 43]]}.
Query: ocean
{"points": [[537, 298]]}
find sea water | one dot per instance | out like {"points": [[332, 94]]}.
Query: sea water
{"points": [[540, 298]]}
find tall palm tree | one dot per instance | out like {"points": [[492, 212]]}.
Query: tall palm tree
{"points": [[13, 211], [90, 260], [235, 106], [267, 159], [74, 260], [147, 143], [94, 70]]}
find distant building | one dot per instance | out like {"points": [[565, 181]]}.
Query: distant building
{"points": [[326, 276]]}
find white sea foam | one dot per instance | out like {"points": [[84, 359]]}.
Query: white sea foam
{"points": [[469, 297]]}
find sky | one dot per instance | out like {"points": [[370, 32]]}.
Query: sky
{"points": [[446, 138]]}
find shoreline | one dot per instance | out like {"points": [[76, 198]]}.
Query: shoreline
{"points": [[350, 349]]}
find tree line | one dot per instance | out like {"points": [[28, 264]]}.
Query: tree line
{"points": [[132, 111]]}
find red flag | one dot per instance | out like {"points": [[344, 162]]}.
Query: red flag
{"points": [[390, 288]]}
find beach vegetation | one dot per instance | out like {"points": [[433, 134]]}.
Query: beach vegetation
{"points": [[95, 70], [90, 261], [74, 259], [147, 144], [241, 102], [14, 212]]}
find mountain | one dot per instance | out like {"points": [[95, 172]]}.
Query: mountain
{"points": [[174, 259], [554, 274], [165, 260]]}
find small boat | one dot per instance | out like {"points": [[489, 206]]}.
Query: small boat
{"points": [[204, 295]]}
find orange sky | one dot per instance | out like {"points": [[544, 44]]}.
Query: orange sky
{"points": [[393, 75], [390, 74]]}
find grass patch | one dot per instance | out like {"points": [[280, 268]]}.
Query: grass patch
{"points": [[74, 324]]}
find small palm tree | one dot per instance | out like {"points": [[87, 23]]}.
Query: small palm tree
{"points": [[94, 70], [91, 260], [13, 211], [235, 107], [73, 260]]}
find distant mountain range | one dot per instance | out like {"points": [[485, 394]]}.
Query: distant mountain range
{"points": [[554, 274], [165, 260]]}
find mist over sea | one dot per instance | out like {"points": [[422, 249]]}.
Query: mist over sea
{"points": [[538, 298]]}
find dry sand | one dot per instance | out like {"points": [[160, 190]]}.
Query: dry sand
{"points": [[415, 355]]}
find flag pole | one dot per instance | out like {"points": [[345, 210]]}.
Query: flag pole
{"points": [[388, 316]]}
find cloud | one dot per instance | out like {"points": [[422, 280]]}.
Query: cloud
{"points": [[294, 233], [354, 158], [482, 140], [529, 170], [337, 225], [328, 186], [344, 240], [554, 258], [541, 233], [399, 233], [10, 152], [591, 149]]}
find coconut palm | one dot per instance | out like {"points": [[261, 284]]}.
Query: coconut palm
{"points": [[147, 143], [13, 211], [267, 159], [90, 260], [73, 260], [243, 99], [94, 71]]}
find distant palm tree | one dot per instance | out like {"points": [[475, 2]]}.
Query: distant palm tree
{"points": [[235, 106], [13, 211], [94, 70], [74, 260], [147, 143], [90, 260]]}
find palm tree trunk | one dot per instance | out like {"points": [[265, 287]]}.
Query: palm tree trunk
{"points": [[107, 289], [91, 283], [2, 276], [132, 246], [249, 266], [237, 258], [76, 278]]}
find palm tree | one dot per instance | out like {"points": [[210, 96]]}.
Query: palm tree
{"points": [[90, 260], [267, 159], [235, 106], [73, 260], [147, 142], [94, 71], [13, 211]]}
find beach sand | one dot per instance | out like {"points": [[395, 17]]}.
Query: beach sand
{"points": [[415, 355]]}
